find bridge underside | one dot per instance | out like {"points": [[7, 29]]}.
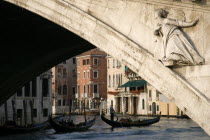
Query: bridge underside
{"points": [[116, 28], [31, 45]]}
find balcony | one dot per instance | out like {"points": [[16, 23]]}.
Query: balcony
{"points": [[95, 95], [137, 91], [84, 95], [113, 92], [76, 95]]}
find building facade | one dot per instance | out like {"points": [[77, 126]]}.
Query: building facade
{"points": [[130, 94], [64, 86], [91, 78], [30, 104]]}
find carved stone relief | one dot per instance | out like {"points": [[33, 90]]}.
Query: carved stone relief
{"points": [[178, 50]]}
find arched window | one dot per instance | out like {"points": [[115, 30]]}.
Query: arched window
{"points": [[157, 107], [143, 104]]}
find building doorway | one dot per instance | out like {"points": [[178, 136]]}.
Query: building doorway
{"points": [[126, 107], [118, 104], [153, 108], [135, 105]]}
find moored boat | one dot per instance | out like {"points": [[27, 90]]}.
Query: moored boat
{"points": [[64, 127], [13, 129], [130, 123]]}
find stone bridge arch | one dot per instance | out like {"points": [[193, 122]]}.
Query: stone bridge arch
{"points": [[112, 26]]}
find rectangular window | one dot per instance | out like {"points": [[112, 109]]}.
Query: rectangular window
{"points": [[35, 113], [84, 74], [45, 112], [95, 88], [34, 87], [88, 61], [27, 89], [113, 63], [78, 62], [64, 89], [95, 74], [84, 88], [64, 102], [19, 113], [157, 94], [59, 89], [64, 73], [73, 90], [95, 61], [74, 60], [19, 92], [73, 73], [45, 87], [88, 74], [59, 102], [78, 89], [59, 70], [88, 88], [84, 61], [150, 93], [78, 75]]}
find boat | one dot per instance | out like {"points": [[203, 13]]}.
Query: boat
{"points": [[14, 129], [130, 123], [65, 127]]}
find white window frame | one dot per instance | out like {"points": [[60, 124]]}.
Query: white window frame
{"points": [[94, 61], [94, 72], [84, 74]]}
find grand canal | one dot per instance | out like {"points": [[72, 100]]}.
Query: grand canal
{"points": [[167, 128]]}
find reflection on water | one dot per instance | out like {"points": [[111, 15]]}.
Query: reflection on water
{"points": [[173, 129]]}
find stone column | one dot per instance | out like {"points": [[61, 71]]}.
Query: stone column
{"points": [[123, 107], [130, 105]]}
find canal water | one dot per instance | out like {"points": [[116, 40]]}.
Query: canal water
{"points": [[166, 129]]}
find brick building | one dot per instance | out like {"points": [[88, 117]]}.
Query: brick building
{"points": [[91, 78]]}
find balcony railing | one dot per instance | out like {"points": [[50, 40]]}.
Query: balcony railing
{"points": [[113, 92], [137, 91], [84, 95], [95, 95]]}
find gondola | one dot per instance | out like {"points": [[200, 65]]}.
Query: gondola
{"points": [[13, 129], [131, 123], [64, 127]]}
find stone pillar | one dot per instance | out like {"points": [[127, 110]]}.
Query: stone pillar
{"points": [[130, 105], [123, 105]]}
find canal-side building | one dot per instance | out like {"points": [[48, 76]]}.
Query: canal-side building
{"points": [[126, 90], [91, 78], [64, 86], [134, 96], [30, 104], [157, 102], [130, 94], [115, 78]]}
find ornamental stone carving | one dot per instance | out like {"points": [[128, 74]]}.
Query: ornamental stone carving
{"points": [[177, 48]]}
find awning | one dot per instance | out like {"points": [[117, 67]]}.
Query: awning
{"points": [[135, 83]]}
